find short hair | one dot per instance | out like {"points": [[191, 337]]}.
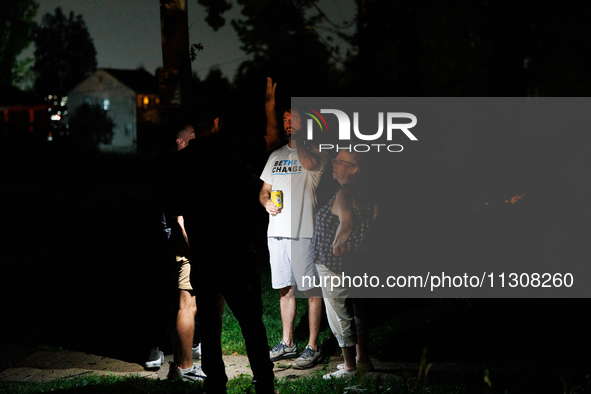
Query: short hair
{"points": [[180, 127], [289, 109]]}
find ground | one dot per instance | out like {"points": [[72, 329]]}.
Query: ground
{"points": [[46, 365]]}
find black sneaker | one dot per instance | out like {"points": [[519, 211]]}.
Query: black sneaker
{"points": [[282, 351]]}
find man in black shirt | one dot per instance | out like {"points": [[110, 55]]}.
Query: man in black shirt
{"points": [[215, 205]]}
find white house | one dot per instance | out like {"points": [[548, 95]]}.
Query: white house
{"points": [[130, 98]]}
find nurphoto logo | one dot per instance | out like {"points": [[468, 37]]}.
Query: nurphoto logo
{"points": [[344, 132]]}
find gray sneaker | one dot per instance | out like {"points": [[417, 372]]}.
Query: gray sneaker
{"points": [[307, 359], [156, 359], [282, 351], [196, 352]]}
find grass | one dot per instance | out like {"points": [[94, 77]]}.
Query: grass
{"points": [[240, 385], [232, 340]]}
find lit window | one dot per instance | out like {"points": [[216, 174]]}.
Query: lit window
{"points": [[146, 100], [106, 104]]}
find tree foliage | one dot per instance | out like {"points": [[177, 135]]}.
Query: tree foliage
{"points": [[281, 40], [64, 53], [90, 126], [469, 48], [17, 30], [416, 47]]}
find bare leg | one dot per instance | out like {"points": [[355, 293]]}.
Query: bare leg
{"points": [[362, 355], [314, 317], [287, 304], [349, 356], [185, 327]]}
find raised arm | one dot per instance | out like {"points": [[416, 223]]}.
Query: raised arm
{"points": [[309, 155], [343, 208], [272, 134]]}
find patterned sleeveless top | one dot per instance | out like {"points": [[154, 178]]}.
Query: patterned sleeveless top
{"points": [[326, 227]]}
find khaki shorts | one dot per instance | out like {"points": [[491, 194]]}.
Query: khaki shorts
{"points": [[346, 316], [184, 273]]}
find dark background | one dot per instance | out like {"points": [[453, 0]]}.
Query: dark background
{"points": [[81, 263]]}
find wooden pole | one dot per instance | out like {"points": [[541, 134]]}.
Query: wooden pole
{"points": [[175, 78]]}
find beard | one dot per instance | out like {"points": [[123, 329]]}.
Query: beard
{"points": [[293, 133]]}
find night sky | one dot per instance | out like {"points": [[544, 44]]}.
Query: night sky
{"points": [[126, 34]]}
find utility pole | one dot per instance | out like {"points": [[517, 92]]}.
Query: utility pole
{"points": [[175, 78]]}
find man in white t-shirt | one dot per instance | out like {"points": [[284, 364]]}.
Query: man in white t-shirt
{"points": [[295, 169]]}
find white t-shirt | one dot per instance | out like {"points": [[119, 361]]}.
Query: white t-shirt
{"points": [[284, 172]]}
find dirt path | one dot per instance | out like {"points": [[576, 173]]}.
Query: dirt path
{"points": [[49, 365]]}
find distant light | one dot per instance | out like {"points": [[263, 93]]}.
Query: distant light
{"points": [[146, 100], [56, 117], [50, 97], [106, 104], [55, 103], [50, 138], [485, 203], [516, 198], [59, 112], [49, 109], [65, 112]]}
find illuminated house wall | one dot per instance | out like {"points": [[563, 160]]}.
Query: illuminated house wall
{"points": [[130, 98]]}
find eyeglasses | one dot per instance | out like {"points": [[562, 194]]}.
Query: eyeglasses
{"points": [[339, 162]]}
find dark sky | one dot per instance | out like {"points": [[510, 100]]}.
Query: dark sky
{"points": [[126, 33]]}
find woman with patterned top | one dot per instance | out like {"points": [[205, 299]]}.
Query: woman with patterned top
{"points": [[340, 235]]}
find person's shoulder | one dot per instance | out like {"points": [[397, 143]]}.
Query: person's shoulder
{"points": [[278, 152], [200, 146], [346, 192]]}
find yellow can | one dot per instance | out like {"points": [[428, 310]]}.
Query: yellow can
{"points": [[277, 198]]}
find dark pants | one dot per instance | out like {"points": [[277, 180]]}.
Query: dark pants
{"points": [[235, 277]]}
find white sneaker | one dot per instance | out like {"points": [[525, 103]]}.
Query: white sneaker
{"points": [[191, 374], [340, 373], [156, 358], [197, 352]]}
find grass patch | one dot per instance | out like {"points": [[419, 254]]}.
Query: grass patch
{"points": [[240, 385], [232, 339]]}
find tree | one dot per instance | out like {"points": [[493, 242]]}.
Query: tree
{"points": [[90, 126], [282, 41], [17, 30], [64, 53]]}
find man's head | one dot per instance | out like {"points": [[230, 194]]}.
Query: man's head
{"points": [[292, 123], [183, 136]]}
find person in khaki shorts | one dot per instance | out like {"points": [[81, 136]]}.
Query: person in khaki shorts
{"points": [[185, 320]]}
